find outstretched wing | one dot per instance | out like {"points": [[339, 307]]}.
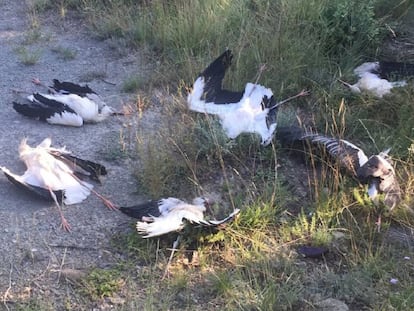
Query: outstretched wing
{"points": [[38, 191], [213, 77], [216, 223], [149, 208], [347, 154], [84, 167]]}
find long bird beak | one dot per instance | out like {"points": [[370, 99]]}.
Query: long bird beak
{"points": [[344, 83], [300, 94]]}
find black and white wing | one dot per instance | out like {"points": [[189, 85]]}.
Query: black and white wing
{"points": [[80, 166], [208, 87], [22, 184], [347, 154], [213, 77], [71, 88], [149, 208], [49, 110], [216, 223]]}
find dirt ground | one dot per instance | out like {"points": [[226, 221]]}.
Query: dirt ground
{"points": [[33, 246]]}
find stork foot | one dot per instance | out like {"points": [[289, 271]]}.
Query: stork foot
{"points": [[109, 204], [36, 81], [65, 225]]}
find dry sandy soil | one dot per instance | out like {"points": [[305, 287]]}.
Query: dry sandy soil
{"points": [[33, 246]]}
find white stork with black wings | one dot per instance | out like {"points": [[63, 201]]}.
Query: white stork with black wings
{"points": [[69, 104], [377, 170], [52, 173], [253, 110], [376, 77], [171, 215]]}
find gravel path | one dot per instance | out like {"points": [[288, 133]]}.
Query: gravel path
{"points": [[33, 246]]}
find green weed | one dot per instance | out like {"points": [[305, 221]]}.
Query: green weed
{"points": [[64, 53]]}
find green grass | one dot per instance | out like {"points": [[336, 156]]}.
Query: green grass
{"points": [[253, 264], [29, 57], [64, 53]]}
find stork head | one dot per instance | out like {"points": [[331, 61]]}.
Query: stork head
{"points": [[379, 165], [107, 110], [96, 99], [203, 203]]}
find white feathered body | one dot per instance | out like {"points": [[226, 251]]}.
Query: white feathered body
{"points": [[45, 171], [246, 116], [371, 82], [89, 108], [173, 212]]}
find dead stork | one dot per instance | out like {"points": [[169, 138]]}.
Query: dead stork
{"points": [[170, 215], [157, 218], [377, 170], [66, 104], [375, 77], [253, 110], [53, 174]]}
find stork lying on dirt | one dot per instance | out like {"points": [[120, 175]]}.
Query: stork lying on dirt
{"points": [[253, 110], [377, 170], [66, 104], [375, 77], [53, 174]]}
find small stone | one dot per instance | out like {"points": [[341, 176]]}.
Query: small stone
{"points": [[331, 304]]}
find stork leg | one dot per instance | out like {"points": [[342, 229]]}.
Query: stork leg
{"points": [[300, 94], [65, 224], [105, 201], [174, 248], [378, 223]]}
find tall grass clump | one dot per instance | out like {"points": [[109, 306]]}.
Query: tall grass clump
{"points": [[301, 42]]}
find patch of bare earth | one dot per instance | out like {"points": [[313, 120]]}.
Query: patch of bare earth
{"points": [[34, 250]]}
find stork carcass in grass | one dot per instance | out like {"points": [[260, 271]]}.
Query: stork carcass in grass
{"points": [[167, 215], [379, 78], [157, 218], [376, 170]]}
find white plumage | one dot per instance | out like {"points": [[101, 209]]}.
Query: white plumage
{"points": [[50, 173], [170, 215], [374, 77], [251, 111], [69, 104]]}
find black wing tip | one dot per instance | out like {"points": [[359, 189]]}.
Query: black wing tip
{"points": [[71, 87], [389, 69], [141, 210], [219, 65], [35, 190]]}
